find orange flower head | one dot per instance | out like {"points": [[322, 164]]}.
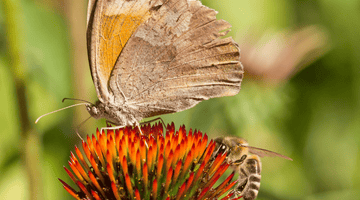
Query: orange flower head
{"points": [[125, 164]]}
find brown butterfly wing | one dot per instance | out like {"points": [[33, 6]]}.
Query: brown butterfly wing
{"points": [[176, 59], [110, 23]]}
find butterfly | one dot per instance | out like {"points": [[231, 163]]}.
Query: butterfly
{"points": [[153, 57]]}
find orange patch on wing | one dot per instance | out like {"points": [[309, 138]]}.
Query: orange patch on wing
{"points": [[115, 32]]}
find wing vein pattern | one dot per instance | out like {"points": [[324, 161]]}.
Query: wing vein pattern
{"points": [[176, 59], [160, 56]]}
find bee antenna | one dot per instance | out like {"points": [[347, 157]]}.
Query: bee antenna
{"points": [[59, 110], [76, 100]]}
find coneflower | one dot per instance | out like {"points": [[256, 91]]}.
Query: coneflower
{"points": [[125, 164]]}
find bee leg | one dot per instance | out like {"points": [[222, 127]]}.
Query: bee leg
{"points": [[242, 183]]}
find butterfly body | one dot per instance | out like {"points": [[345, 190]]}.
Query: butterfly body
{"points": [[153, 57], [118, 115]]}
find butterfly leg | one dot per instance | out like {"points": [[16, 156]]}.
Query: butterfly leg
{"points": [[110, 128], [117, 127], [138, 125], [78, 127], [158, 118]]}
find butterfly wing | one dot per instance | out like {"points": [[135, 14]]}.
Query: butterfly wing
{"points": [[176, 59], [263, 152], [110, 23]]}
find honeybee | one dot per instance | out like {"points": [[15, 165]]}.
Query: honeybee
{"points": [[245, 160]]}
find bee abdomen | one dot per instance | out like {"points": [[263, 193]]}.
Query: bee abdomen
{"points": [[254, 165], [253, 187], [255, 178], [253, 168]]}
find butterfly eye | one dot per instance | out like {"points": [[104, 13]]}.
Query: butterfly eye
{"points": [[94, 110]]}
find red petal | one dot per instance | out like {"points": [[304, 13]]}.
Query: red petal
{"points": [[110, 173], [137, 195], [83, 188], [177, 170], [128, 185], [154, 189], [159, 167], [115, 190], [96, 183], [168, 179], [180, 192], [145, 174], [95, 195]]}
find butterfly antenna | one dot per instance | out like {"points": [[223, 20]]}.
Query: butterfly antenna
{"points": [[58, 111], [77, 100]]}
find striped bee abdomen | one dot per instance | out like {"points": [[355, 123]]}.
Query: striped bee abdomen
{"points": [[249, 178]]}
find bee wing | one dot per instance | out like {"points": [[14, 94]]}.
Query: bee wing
{"points": [[263, 152]]}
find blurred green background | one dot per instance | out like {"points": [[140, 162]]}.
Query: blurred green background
{"points": [[300, 95]]}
